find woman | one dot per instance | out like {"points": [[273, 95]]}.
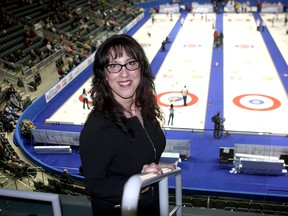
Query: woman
{"points": [[85, 99], [122, 135], [171, 114]]}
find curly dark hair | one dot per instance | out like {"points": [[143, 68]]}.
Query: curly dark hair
{"points": [[102, 96]]}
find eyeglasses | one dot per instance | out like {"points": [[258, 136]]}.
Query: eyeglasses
{"points": [[116, 68]]}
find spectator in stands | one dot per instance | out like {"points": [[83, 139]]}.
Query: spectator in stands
{"points": [[12, 57], [33, 54], [31, 33], [49, 47], [65, 178], [11, 90], [15, 103], [124, 102], [87, 45], [7, 124], [76, 60], [20, 83], [96, 23], [30, 63], [54, 39], [84, 26], [19, 54], [15, 163], [3, 153], [26, 102], [61, 71], [9, 110], [45, 40], [42, 55], [27, 41], [77, 37], [61, 38], [69, 48], [68, 35], [38, 79], [71, 64], [10, 118]]}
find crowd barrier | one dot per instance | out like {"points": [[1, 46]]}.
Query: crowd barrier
{"points": [[169, 8], [260, 159], [272, 7], [202, 8], [50, 141], [52, 149]]}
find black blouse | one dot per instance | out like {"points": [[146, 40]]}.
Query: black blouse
{"points": [[109, 156]]}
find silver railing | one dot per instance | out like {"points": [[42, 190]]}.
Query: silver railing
{"points": [[136, 182]]}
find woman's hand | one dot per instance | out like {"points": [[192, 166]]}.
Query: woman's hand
{"points": [[156, 169], [167, 165], [152, 168]]}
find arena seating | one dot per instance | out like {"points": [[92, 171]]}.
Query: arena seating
{"points": [[28, 171], [27, 15]]}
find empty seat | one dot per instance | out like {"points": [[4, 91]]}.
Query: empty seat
{"points": [[268, 208], [172, 200], [219, 204], [243, 206], [280, 209], [186, 201], [231, 205], [256, 207], [197, 202]]}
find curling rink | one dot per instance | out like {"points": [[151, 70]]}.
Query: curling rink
{"points": [[253, 93]]}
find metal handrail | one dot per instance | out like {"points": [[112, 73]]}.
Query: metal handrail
{"points": [[136, 182]]}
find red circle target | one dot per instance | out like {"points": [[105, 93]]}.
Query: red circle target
{"points": [[193, 99], [275, 103]]}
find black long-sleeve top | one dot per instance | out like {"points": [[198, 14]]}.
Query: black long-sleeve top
{"points": [[109, 156]]}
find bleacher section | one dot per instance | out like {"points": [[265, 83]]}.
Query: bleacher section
{"points": [[66, 18], [29, 171]]}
